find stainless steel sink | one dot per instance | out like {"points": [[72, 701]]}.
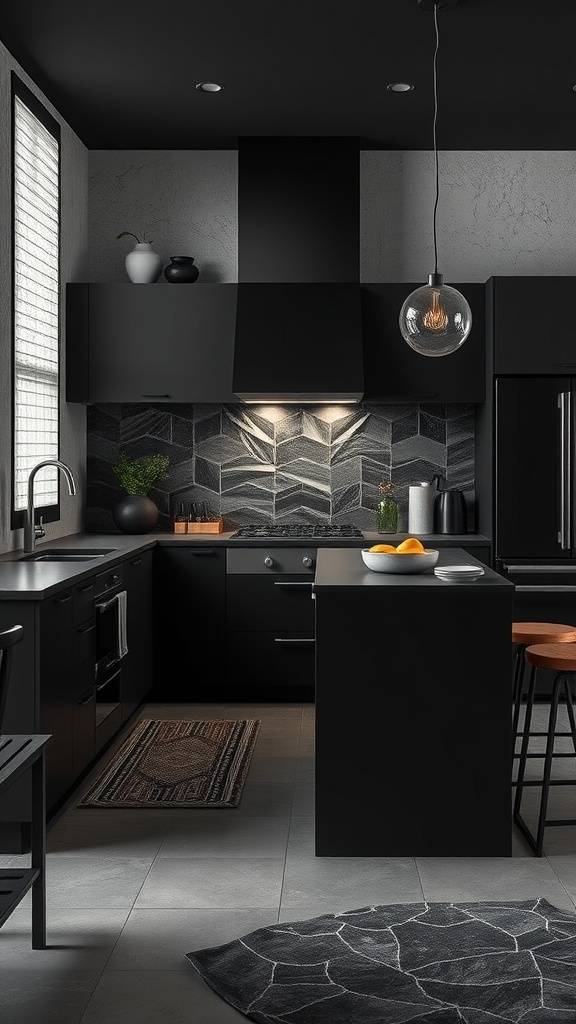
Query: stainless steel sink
{"points": [[78, 555]]}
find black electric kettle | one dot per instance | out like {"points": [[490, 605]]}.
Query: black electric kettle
{"points": [[449, 510]]}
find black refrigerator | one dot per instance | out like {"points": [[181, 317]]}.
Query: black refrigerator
{"points": [[534, 522]]}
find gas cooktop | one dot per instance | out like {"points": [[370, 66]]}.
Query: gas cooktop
{"points": [[296, 530]]}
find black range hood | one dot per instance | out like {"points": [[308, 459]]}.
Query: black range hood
{"points": [[298, 317]]}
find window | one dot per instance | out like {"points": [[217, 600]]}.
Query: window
{"points": [[36, 271]]}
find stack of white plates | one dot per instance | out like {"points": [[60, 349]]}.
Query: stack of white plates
{"points": [[458, 573]]}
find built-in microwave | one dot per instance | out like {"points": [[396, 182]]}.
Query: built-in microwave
{"points": [[111, 647]]}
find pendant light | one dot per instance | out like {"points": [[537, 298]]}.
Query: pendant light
{"points": [[435, 319]]}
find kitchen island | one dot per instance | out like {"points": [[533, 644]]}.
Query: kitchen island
{"points": [[413, 711]]}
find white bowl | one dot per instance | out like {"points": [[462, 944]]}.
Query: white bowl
{"points": [[396, 562]]}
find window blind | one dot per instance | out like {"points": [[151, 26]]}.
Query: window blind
{"points": [[36, 291]]}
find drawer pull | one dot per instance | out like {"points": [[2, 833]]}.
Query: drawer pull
{"points": [[277, 583], [63, 600], [545, 588], [86, 629], [86, 700], [294, 640]]}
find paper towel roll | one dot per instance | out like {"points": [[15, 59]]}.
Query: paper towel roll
{"points": [[421, 508]]}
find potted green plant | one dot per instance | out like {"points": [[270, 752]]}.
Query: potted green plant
{"points": [[137, 513]]}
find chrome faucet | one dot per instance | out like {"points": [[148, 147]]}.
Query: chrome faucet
{"points": [[32, 531]]}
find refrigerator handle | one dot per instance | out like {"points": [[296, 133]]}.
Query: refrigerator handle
{"points": [[564, 533]]}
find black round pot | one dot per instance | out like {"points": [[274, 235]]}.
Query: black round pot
{"points": [[135, 513], [181, 270]]}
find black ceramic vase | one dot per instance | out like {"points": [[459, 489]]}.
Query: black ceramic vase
{"points": [[135, 513], [181, 270]]}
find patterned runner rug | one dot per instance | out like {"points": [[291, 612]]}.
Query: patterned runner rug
{"points": [[177, 764]]}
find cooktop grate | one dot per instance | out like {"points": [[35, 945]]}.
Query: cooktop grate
{"points": [[296, 530]]}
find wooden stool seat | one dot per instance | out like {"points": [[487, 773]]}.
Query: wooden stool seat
{"points": [[524, 635], [561, 657], [543, 633]]}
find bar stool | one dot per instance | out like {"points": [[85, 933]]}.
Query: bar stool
{"points": [[561, 658], [524, 634]]}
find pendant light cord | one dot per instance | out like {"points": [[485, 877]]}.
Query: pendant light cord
{"points": [[434, 135]]}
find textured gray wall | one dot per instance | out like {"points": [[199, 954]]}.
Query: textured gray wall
{"points": [[73, 267], [499, 213]]}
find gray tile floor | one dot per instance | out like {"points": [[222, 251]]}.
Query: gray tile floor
{"points": [[130, 892]]}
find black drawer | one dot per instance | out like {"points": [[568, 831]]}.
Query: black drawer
{"points": [[83, 644], [83, 602], [270, 661], [269, 603], [83, 730]]}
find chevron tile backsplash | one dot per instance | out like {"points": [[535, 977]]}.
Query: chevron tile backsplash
{"points": [[299, 464]]}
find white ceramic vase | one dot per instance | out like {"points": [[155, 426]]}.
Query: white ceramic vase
{"points": [[143, 265]]}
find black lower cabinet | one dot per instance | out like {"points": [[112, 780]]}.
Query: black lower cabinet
{"points": [[55, 697], [270, 640], [137, 664], [83, 720], [189, 622]]}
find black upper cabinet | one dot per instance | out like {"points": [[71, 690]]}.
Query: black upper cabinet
{"points": [[393, 372], [157, 343], [525, 317]]}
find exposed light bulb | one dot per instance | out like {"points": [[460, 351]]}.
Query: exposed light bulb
{"points": [[436, 318]]}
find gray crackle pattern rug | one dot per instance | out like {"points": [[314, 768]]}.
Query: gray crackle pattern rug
{"points": [[426, 963]]}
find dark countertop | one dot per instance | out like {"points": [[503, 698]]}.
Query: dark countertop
{"points": [[25, 580], [343, 567]]}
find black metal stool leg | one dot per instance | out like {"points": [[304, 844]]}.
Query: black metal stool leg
{"points": [[570, 710], [548, 763], [517, 689], [525, 742]]}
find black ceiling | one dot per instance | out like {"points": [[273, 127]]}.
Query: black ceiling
{"points": [[123, 72]]}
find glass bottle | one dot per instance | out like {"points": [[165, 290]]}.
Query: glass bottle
{"points": [[386, 509], [180, 520]]}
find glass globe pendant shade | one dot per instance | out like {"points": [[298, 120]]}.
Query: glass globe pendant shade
{"points": [[435, 319]]}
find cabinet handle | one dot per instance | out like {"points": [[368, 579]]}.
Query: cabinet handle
{"points": [[86, 700], [278, 584], [202, 552], [136, 561], [155, 396], [86, 629], [546, 588], [564, 364], [63, 600], [84, 590], [102, 686], [294, 640]]}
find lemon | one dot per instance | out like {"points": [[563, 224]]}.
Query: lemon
{"points": [[410, 546]]}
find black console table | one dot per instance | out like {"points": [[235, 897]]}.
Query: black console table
{"points": [[17, 755]]}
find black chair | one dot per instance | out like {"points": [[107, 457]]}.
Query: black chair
{"points": [[8, 638]]}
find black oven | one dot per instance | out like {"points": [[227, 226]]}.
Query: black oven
{"points": [[111, 647]]}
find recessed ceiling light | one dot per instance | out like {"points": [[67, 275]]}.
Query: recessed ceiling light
{"points": [[208, 87], [399, 87]]}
